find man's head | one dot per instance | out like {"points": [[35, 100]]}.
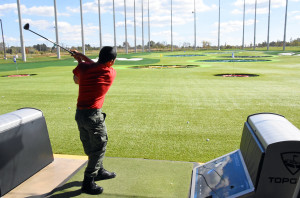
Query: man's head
{"points": [[107, 54]]}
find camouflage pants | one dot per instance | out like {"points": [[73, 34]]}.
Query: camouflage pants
{"points": [[93, 135]]}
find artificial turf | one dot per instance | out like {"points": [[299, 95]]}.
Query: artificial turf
{"points": [[136, 178], [165, 114]]}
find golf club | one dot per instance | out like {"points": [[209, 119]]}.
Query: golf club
{"points": [[26, 27]]}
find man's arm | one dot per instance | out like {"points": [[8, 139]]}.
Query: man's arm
{"points": [[76, 79], [81, 57]]}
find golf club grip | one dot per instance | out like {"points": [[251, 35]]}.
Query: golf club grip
{"points": [[65, 49]]}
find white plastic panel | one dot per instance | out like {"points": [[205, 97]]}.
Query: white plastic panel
{"points": [[21, 116], [272, 128]]}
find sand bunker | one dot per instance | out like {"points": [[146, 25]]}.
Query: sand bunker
{"points": [[247, 56], [286, 54], [183, 55], [120, 59], [129, 59], [19, 75], [162, 66], [234, 60], [237, 75]]}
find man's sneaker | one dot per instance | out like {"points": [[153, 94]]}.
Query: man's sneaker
{"points": [[90, 187], [104, 174]]}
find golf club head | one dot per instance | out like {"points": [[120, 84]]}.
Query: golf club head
{"points": [[26, 26]]}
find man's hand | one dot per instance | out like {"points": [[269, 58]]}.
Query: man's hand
{"points": [[74, 51], [81, 57], [76, 56]]}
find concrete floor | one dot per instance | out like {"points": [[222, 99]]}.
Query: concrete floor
{"points": [[52, 176]]}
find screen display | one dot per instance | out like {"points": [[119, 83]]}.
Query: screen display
{"points": [[226, 176]]}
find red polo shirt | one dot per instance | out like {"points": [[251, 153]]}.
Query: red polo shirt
{"points": [[94, 81]]}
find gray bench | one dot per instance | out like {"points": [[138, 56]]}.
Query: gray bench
{"points": [[24, 147]]}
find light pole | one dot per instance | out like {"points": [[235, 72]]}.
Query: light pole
{"points": [[142, 25], [115, 41], [56, 31], [171, 25], [21, 32], [268, 26], [3, 40], [100, 30], [255, 25], [195, 25], [148, 27], [82, 32], [126, 46], [243, 40], [134, 30], [219, 25], [284, 36]]}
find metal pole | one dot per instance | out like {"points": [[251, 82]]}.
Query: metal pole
{"points": [[134, 30], [268, 44], [148, 27], [243, 42], [195, 25], [284, 36], [82, 32], [142, 25], [21, 33], [219, 25], [171, 25], [56, 31], [115, 41], [3, 40], [255, 25], [100, 30], [126, 46]]}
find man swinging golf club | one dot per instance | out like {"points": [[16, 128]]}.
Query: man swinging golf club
{"points": [[94, 80]]}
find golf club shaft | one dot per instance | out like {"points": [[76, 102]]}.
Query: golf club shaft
{"points": [[51, 41]]}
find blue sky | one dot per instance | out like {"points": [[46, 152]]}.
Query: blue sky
{"points": [[40, 15]]}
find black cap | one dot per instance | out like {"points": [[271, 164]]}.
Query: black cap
{"points": [[106, 54]]}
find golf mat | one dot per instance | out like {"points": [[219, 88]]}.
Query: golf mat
{"points": [[136, 178]]}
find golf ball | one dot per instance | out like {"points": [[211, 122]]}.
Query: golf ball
{"points": [[187, 122], [207, 139]]}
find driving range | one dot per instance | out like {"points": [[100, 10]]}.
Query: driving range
{"points": [[173, 107]]}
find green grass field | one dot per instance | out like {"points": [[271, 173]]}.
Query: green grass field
{"points": [[165, 114]]}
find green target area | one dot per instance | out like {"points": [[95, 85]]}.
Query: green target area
{"points": [[234, 60]]}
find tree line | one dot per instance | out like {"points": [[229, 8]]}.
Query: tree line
{"points": [[43, 48]]}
